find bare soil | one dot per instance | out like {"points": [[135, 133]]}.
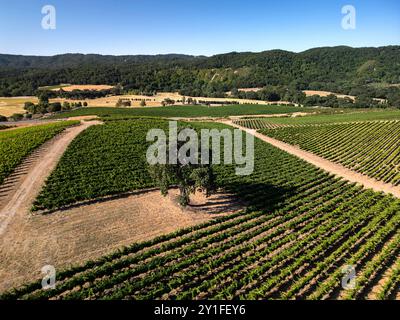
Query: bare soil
{"points": [[86, 232]]}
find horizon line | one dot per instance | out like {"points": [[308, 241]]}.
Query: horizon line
{"points": [[191, 55]]}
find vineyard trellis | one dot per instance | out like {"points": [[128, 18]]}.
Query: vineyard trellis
{"points": [[371, 148], [300, 227], [16, 144]]}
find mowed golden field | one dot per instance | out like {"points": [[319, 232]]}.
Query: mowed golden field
{"points": [[95, 87], [9, 106]]}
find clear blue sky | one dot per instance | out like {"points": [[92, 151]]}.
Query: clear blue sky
{"points": [[197, 27]]}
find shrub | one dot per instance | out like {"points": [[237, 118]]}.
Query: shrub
{"points": [[17, 117]]}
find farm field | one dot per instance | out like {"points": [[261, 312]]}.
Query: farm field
{"points": [[327, 93], [301, 226], [186, 111], [155, 100], [371, 148], [200, 160], [16, 144], [103, 160], [257, 124], [9, 106], [66, 87], [322, 118]]}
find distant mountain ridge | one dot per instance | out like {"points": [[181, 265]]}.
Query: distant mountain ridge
{"points": [[76, 59], [337, 69]]}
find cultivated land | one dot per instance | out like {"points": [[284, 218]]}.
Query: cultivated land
{"points": [[296, 227], [300, 227], [88, 230], [326, 118], [16, 144], [186, 111], [22, 198], [76, 193], [9, 106], [158, 98], [327, 165], [371, 148]]}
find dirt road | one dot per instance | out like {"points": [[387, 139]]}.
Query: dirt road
{"points": [[35, 178], [324, 164]]}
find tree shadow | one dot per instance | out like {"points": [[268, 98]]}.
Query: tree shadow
{"points": [[260, 196]]}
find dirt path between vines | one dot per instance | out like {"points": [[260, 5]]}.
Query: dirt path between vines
{"points": [[324, 164], [36, 176]]}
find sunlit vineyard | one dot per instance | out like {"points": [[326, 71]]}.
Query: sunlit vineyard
{"points": [[16, 144], [186, 111], [331, 117], [103, 160], [371, 148], [257, 124], [301, 226]]}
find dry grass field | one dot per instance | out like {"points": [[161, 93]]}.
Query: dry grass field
{"points": [[9, 106], [96, 87], [326, 93]]}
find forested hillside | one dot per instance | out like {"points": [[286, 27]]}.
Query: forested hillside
{"points": [[371, 71]]}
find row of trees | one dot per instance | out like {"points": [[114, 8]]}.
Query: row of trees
{"points": [[44, 106], [127, 103]]}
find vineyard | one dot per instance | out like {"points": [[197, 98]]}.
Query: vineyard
{"points": [[326, 117], [103, 160], [257, 124], [301, 226], [371, 148], [185, 111], [15, 145]]}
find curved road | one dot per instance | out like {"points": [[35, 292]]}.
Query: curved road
{"points": [[34, 180]]}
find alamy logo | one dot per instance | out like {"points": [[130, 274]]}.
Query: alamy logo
{"points": [[49, 20], [349, 277], [49, 280], [165, 151], [349, 20]]}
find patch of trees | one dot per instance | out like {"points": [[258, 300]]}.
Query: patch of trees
{"points": [[188, 176], [216, 102], [123, 103], [17, 117], [342, 70], [44, 106], [81, 94], [167, 102]]}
